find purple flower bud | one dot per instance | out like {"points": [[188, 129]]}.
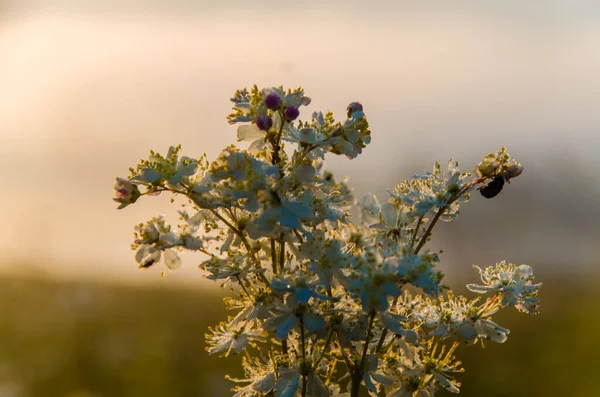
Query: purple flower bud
{"points": [[273, 101], [291, 113], [354, 107], [264, 123]]}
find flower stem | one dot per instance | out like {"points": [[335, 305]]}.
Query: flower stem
{"points": [[441, 211], [429, 229], [281, 253], [233, 229], [303, 372], [358, 372], [416, 231], [273, 256], [299, 236], [243, 287], [324, 349], [284, 347]]}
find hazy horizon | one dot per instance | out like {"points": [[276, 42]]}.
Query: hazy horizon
{"points": [[90, 87]]}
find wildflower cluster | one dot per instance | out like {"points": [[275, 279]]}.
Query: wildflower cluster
{"points": [[324, 306]]}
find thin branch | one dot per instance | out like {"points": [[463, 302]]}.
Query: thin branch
{"points": [[298, 236], [324, 349], [358, 372], [429, 229], [281, 253], [273, 256], [414, 236], [303, 345]]}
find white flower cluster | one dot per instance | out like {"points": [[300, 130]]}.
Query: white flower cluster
{"points": [[324, 306]]}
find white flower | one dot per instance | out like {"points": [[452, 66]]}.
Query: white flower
{"points": [[234, 268], [515, 283], [417, 270], [312, 291], [370, 209], [372, 378], [154, 239], [126, 193], [224, 340]]}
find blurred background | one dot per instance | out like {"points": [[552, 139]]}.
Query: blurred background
{"points": [[90, 86]]}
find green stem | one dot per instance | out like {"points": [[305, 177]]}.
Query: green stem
{"points": [[275, 159], [298, 236], [303, 343], [429, 229], [281, 253], [284, 347], [441, 211], [205, 251], [243, 287], [324, 349], [368, 338], [358, 372], [416, 231], [244, 240], [349, 365], [233, 229], [273, 257]]}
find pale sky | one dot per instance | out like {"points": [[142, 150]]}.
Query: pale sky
{"points": [[88, 89]]}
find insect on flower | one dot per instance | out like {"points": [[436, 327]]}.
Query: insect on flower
{"points": [[311, 289], [492, 189]]}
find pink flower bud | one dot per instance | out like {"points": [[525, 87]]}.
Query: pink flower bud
{"points": [[125, 193]]}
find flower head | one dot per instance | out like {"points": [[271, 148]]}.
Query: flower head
{"points": [[291, 113], [354, 107], [273, 101], [264, 123], [225, 340], [310, 289], [126, 193], [515, 283]]}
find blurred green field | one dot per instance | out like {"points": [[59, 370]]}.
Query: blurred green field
{"points": [[83, 340]]}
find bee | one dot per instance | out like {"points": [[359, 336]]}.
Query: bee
{"points": [[494, 187]]}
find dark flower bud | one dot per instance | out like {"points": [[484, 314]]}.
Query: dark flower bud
{"points": [[264, 123], [291, 113], [273, 101]]}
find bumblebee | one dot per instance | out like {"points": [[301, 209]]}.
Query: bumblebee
{"points": [[494, 187]]}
